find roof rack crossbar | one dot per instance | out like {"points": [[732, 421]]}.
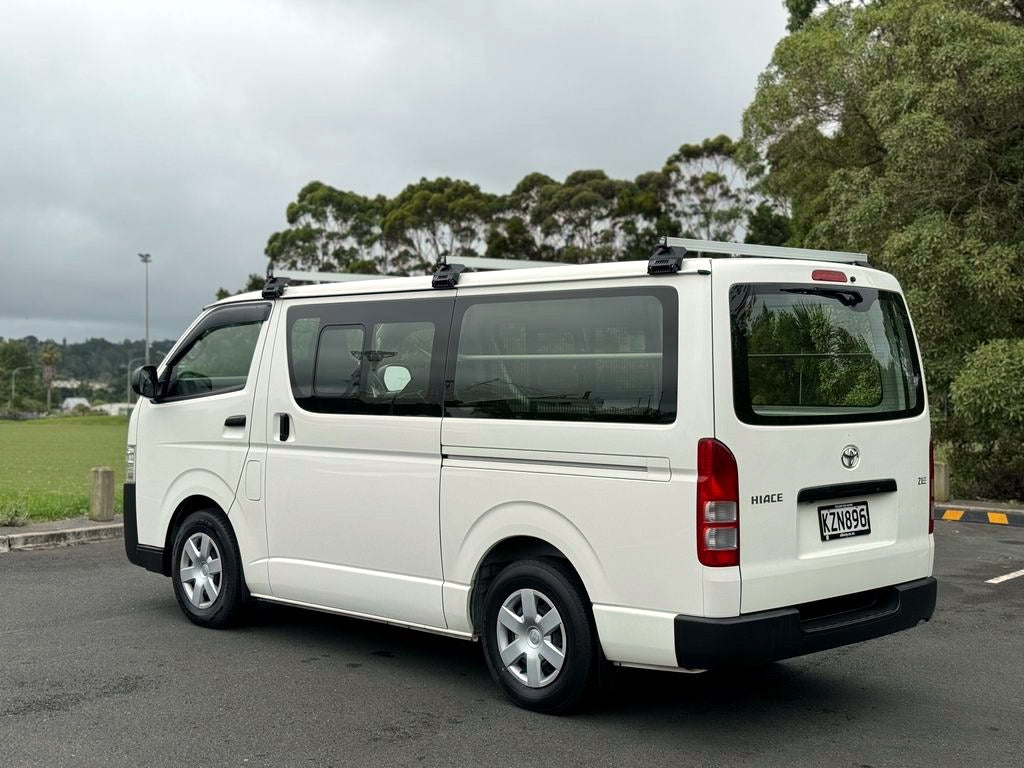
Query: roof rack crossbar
{"points": [[481, 262], [469, 262], [698, 247], [326, 277]]}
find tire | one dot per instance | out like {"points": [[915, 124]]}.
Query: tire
{"points": [[206, 571], [546, 662]]}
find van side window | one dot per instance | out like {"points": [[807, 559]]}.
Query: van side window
{"points": [[337, 368], [217, 359], [375, 357], [581, 356]]}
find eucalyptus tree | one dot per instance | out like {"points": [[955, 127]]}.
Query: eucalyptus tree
{"points": [[708, 193], [435, 220]]}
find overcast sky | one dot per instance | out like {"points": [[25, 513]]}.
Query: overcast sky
{"points": [[183, 129]]}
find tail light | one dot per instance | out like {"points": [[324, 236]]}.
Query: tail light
{"points": [[931, 487], [718, 516]]}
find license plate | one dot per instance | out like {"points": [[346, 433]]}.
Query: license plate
{"points": [[841, 521]]}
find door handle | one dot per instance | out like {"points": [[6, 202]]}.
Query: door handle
{"points": [[285, 428], [234, 421]]}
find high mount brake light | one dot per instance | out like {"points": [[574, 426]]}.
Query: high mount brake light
{"points": [[829, 275], [718, 520]]}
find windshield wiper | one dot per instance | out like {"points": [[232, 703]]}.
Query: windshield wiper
{"points": [[848, 298]]}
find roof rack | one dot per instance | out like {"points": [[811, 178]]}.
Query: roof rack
{"points": [[692, 248], [666, 259], [445, 275]]}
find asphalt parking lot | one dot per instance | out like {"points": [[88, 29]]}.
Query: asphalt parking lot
{"points": [[99, 668]]}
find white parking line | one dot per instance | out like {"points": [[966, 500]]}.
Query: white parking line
{"points": [[1007, 577]]}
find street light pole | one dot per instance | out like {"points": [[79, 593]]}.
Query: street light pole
{"points": [[146, 259]]}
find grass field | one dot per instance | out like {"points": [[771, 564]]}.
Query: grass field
{"points": [[44, 465]]}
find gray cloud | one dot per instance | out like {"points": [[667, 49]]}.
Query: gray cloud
{"points": [[184, 129]]}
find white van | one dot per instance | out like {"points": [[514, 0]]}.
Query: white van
{"points": [[719, 456]]}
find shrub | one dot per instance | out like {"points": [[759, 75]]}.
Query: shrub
{"points": [[13, 512], [987, 424]]}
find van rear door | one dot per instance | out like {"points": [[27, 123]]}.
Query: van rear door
{"points": [[820, 397]]}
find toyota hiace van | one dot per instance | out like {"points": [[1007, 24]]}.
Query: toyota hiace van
{"points": [[717, 456]]}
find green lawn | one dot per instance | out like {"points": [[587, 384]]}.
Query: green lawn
{"points": [[44, 465]]}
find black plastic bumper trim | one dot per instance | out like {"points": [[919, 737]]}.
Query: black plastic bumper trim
{"points": [[765, 636], [842, 490], [131, 526], [150, 558]]}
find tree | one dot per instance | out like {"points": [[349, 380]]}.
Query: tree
{"points": [[643, 215], [14, 354], [512, 234], [768, 226], [894, 128], [435, 220], [700, 191], [801, 10], [989, 396], [329, 230], [708, 192], [578, 216]]}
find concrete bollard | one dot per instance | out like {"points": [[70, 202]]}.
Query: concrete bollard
{"points": [[101, 494], [941, 481]]}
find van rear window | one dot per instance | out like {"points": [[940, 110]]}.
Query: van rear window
{"points": [[809, 354]]}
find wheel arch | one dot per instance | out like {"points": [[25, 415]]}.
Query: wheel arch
{"points": [[505, 552], [185, 508], [502, 534]]}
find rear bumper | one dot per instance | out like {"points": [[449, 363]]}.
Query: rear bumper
{"points": [[785, 632], [150, 558]]}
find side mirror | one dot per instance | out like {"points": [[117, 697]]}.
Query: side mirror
{"points": [[396, 377], [144, 381]]}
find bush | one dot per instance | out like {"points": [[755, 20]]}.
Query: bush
{"points": [[13, 512], [987, 424]]}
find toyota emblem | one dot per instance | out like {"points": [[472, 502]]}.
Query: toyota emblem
{"points": [[850, 457]]}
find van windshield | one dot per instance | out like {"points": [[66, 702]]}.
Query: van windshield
{"points": [[807, 354]]}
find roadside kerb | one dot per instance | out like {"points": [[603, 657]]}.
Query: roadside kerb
{"points": [[995, 514], [60, 537]]}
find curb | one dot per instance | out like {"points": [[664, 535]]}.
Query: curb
{"points": [[968, 514], [60, 538]]}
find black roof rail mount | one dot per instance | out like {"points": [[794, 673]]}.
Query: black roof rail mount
{"points": [[274, 287], [666, 260], [447, 275]]}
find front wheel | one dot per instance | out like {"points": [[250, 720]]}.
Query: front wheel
{"points": [[206, 571], [538, 640]]}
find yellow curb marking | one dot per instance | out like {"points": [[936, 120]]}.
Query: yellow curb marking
{"points": [[952, 514], [998, 518]]}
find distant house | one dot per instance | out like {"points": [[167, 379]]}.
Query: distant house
{"points": [[114, 409], [70, 403]]}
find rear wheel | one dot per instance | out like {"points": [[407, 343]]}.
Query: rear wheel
{"points": [[538, 640], [206, 570]]}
